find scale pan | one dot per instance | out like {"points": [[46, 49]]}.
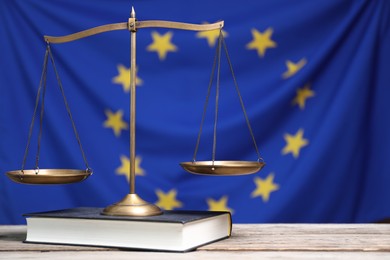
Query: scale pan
{"points": [[223, 167], [48, 176]]}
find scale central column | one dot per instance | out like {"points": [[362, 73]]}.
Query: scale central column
{"points": [[132, 204], [133, 32]]}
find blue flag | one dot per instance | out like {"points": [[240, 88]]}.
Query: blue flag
{"points": [[314, 78]]}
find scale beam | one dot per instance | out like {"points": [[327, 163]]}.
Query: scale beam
{"points": [[131, 27], [180, 26]]}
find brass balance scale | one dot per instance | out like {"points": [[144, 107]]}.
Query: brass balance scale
{"points": [[132, 204]]}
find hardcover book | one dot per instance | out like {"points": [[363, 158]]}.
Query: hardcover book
{"points": [[178, 231]]}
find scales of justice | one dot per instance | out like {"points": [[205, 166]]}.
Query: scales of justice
{"points": [[132, 204]]}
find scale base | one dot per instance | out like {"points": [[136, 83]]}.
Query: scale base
{"points": [[133, 206]]}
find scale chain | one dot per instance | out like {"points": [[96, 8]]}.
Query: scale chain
{"points": [[41, 121], [242, 102], [206, 102], [43, 78], [68, 110], [42, 84], [221, 41], [217, 97]]}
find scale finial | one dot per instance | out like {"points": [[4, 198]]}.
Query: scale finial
{"points": [[132, 14]]}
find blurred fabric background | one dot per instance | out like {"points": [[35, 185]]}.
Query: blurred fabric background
{"points": [[314, 77]]}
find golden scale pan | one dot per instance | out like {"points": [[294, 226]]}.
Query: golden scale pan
{"points": [[132, 204], [222, 168], [48, 176]]}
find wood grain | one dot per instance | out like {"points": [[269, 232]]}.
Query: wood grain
{"points": [[306, 237], [252, 241]]}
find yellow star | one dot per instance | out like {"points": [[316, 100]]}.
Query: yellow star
{"points": [[211, 36], [162, 44], [264, 187], [124, 169], [124, 78], [294, 143], [293, 68], [115, 121], [261, 41], [219, 205], [303, 94], [168, 200]]}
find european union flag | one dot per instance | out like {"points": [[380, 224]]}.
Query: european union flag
{"points": [[314, 78]]}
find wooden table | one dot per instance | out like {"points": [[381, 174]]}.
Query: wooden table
{"points": [[257, 241]]}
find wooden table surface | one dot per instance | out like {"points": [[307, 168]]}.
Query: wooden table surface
{"points": [[253, 241]]}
